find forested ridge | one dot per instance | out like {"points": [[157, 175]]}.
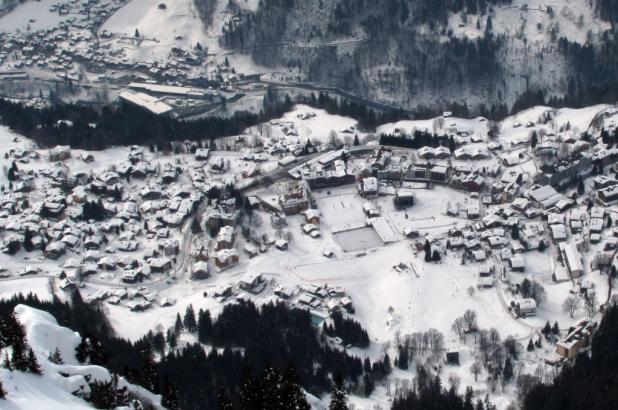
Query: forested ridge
{"points": [[255, 347]]}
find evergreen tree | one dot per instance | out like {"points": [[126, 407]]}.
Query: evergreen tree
{"points": [[546, 329], [555, 329], [33, 363], [189, 320], [534, 139], [427, 251], [204, 326], [28, 245], [103, 393], [178, 326], [56, 357], [2, 391], [530, 345], [338, 395], [82, 351], [6, 363]]}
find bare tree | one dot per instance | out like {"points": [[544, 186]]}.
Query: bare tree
{"points": [[591, 305], [476, 369], [459, 327], [570, 305], [469, 318]]}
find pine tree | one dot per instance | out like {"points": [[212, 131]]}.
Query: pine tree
{"points": [[6, 363], [338, 395], [56, 357], [178, 326], [555, 329], [28, 245], [530, 345], [189, 320], [204, 326], [33, 363], [427, 251], [546, 329], [82, 351], [2, 391]]}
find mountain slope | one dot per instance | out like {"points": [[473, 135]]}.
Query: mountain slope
{"points": [[435, 53], [55, 387]]}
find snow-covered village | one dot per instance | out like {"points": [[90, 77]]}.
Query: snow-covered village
{"points": [[201, 211]]}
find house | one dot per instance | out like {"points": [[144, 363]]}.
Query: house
{"points": [[253, 283], [370, 210], [159, 265], [525, 307], [577, 339], [479, 255], [558, 232], [130, 276], [226, 258], [517, 263], [200, 271], [225, 238], [452, 358], [295, 201], [571, 259], [282, 244], [312, 216], [545, 196], [283, 292], [369, 186], [201, 154], [59, 153]]}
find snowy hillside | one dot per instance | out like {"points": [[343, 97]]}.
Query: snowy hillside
{"points": [[60, 386]]}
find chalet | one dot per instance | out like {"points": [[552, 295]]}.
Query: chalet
{"points": [[253, 283], [200, 271], [225, 238], [159, 265], [283, 292], [282, 244], [54, 250], [545, 196], [479, 255], [226, 258], [608, 195], [517, 263]]}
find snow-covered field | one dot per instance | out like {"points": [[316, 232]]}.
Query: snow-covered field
{"points": [[32, 16], [178, 25]]}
